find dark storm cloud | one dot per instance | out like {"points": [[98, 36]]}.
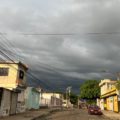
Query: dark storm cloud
{"points": [[60, 59]]}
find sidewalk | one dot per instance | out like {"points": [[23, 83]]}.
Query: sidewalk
{"points": [[112, 115], [30, 115]]}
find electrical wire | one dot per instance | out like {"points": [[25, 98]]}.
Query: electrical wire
{"points": [[8, 57]]}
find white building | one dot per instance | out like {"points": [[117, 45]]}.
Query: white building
{"points": [[48, 99]]}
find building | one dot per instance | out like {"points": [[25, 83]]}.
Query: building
{"points": [[8, 102], [32, 97], [13, 80], [13, 75], [109, 96], [49, 99], [21, 106], [64, 103]]}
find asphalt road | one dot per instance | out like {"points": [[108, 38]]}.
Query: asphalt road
{"points": [[73, 114]]}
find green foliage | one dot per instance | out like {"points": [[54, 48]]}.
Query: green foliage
{"points": [[74, 99], [90, 90], [118, 85], [91, 101]]}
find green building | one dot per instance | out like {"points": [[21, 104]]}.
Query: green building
{"points": [[32, 97]]}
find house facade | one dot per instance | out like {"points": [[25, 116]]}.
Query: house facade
{"points": [[49, 99], [8, 102], [12, 83], [109, 96], [13, 75], [32, 97]]}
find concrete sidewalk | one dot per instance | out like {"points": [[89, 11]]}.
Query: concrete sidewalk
{"points": [[29, 115], [112, 115]]}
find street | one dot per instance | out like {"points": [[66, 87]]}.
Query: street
{"points": [[74, 114]]}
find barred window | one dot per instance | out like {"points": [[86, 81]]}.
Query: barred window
{"points": [[4, 71]]}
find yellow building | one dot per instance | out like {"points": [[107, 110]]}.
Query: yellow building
{"points": [[12, 75], [109, 95]]}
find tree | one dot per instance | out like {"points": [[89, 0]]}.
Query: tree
{"points": [[118, 85], [73, 99], [90, 90]]}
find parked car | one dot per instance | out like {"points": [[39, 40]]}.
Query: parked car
{"points": [[94, 110]]}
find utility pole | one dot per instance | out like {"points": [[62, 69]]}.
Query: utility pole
{"points": [[118, 76], [68, 92], [78, 102]]}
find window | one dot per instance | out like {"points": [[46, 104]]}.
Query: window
{"points": [[1, 94], [21, 74], [4, 71]]}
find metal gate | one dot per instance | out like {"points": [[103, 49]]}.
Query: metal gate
{"points": [[13, 103]]}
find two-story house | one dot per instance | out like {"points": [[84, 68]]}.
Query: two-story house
{"points": [[12, 75], [12, 82], [109, 95]]}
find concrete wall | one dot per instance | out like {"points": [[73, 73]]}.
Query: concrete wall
{"points": [[13, 105], [51, 99], [106, 86], [102, 104], [56, 102], [12, 80], [5, 103], [21, 102], [32, 98]]}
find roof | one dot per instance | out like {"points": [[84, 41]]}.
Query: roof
{"points": [[107, 81], [33, 89], [15, 62]]}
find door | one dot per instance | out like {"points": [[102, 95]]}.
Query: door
{"points": [[115, 103], [13, 103], [111, 103], [1, 95]]}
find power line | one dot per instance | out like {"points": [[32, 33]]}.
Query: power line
{"points": [[66, 34], [8, 57], [10, 47], [71, 34]]}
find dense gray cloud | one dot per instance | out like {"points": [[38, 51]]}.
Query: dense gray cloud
{"points": [[64, 60]]}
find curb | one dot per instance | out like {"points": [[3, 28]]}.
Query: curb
{"points": [[41, 116]]}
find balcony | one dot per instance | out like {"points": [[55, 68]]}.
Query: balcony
{"points": [[109, 92]]}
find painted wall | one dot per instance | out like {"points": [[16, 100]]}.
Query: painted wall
{"points": [[51, 99], [21, 107], [32, 97], [107, 86], [13, 105], [12, 80], [5, 103], [8, 102], [102, 104], [116, 109]]}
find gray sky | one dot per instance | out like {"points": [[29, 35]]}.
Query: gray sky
{"points": [[64, 60]]}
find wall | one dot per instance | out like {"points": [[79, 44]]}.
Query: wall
{"points": [[32, 98], [21, 102], [13, 105], [51, 99], [21, 81], [116, 109], [10, 80], [5, 103], [56, 102], [102, 104]]}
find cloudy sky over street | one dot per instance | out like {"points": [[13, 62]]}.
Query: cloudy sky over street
{"points": [[64, 42]]}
